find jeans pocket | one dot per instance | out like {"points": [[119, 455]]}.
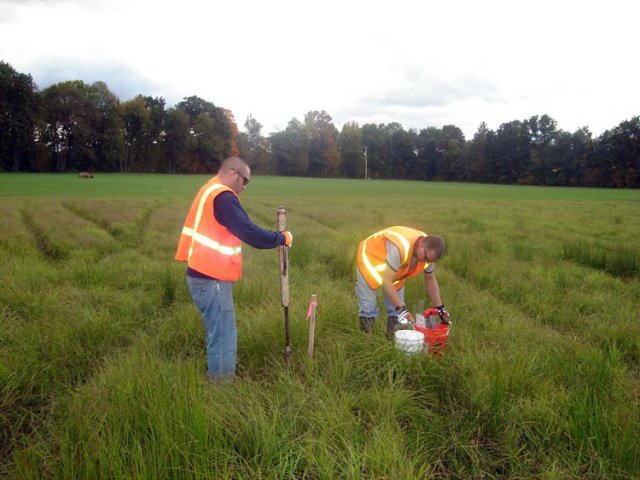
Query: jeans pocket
{"points": [[224, 294], [201, 291]]}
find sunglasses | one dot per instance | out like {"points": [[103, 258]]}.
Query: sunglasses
{"points": [[244, 179]]}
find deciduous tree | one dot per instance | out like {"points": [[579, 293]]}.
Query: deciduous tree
{"points": [[176, 142], [289, 149], [136, 125], [107, 141], [69, 116], [18, 110], [513, 159], [374, 139], [322, 141], [209, 134], [254, 148], [351, 150]]}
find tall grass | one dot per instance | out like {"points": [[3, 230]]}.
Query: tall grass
{"points": [[618, 260], [102, 361]]}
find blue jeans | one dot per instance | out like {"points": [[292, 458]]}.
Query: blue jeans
{"points": [[214, 299], [368, 299]]}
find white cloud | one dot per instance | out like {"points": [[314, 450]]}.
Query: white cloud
{"points": [[418, 63]]}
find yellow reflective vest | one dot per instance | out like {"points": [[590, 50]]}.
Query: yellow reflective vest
{"points": [[372, 255], [207, 246]]}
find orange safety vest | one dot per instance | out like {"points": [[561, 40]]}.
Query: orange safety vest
{"points": [[372, 255], [207, 246]]}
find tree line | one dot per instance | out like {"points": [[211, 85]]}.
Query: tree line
{"points": [[73, 126]]}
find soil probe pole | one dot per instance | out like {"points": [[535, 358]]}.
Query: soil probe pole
{"points": [[284, 281]]}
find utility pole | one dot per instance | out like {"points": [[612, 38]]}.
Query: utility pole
{"points": [[365, 163]]}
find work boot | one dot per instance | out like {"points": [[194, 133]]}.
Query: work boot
{"points": [[393, 326], [366, 324], [221, 380]]}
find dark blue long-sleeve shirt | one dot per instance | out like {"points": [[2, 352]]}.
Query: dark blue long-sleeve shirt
{"points": [[229, 213]]}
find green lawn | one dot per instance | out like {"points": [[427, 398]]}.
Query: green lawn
{"points": [[102, 361]]}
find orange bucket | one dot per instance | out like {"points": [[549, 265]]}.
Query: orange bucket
{"points": [[436, 337]]}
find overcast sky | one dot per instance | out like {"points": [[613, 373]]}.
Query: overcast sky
{"points": [[420, 63]]}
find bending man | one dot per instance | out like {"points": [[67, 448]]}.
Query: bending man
{"points": [[385, 260]]}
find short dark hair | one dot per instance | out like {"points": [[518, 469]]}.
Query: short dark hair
{"points": [[435, 243]]}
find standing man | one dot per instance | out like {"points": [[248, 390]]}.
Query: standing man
{"points": [[211, 245], [386, 259]]}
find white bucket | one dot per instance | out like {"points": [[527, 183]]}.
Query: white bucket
{"points": [[409, 341]]}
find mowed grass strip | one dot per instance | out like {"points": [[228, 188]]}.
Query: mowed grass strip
{"points": [[102, 360]]}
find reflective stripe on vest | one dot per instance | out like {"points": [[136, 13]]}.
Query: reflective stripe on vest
{"points": [[209, 242], [207, 246], [203, 239], [372, 270], [405, 243], [406, 248]]}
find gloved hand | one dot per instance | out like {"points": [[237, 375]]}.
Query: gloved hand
{"points": [[405, 317], [288, 238], [443, 314]]}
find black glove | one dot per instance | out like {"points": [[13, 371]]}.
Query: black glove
{"points": [[443, 314]]}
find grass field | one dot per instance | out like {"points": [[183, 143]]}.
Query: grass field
{"points": [[102, 361]]}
